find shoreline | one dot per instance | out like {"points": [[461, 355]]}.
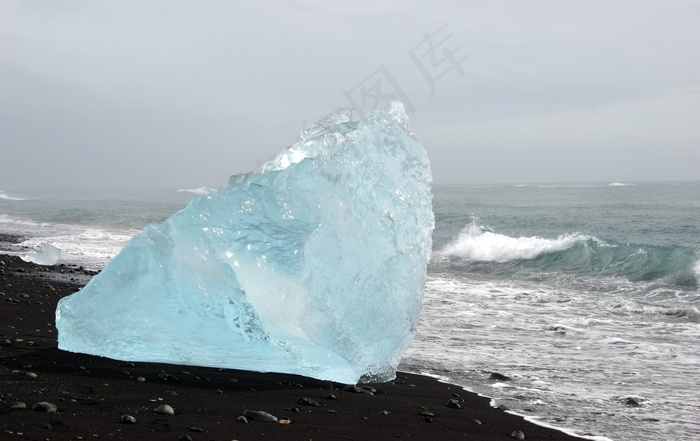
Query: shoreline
{"points": [[92, 393]]}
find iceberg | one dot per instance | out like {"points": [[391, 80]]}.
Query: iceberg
{"points": [[312, 264], [44, 254]]}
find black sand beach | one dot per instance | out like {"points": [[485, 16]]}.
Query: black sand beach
{"points": [[92, 394]]}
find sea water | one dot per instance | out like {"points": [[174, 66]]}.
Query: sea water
{"points": [[89, 226], [585, 296]]}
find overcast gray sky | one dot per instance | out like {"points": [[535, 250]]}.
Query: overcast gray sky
{"points": [[176, 93]]}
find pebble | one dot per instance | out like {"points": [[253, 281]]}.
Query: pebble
{"points": [[384, 412], [242, 419], [32, 375], [517, 434], [166, 376], [325, 385], [353, 389], [18, 405], [308, 402], [44, 406], [330, 397], [425, 413], [453, 404], [500, 377], [127, 419], [195, 429], [259, 415], [475, 421], [164, 409], [633, 401], [185, 438]]}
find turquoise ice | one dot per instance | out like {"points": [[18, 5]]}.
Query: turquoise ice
{"points": [[313, 264]]}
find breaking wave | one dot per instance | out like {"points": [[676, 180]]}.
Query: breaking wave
{"points": [[578, 255], [476, 242], [7, 197], [620, 184], [21, 222]]}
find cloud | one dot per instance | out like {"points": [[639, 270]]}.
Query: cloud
{"points": [[62, 135], [657, 136], [236, 80]]}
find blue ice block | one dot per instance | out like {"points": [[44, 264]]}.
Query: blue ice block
{"points": [[313, 264]]}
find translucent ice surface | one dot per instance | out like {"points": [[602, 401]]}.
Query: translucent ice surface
{"points": [[313, 264], [44, 254]]}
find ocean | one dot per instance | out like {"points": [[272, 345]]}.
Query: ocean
{"points": [[574, 305]]}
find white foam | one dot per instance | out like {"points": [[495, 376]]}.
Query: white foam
{"points": [[89, 247], [620, 184], [637, 307], [557, 185], [570, 432], [696, 270], [198, 191], [27, 223], [476, 243], [558, 354], [7, 197]]}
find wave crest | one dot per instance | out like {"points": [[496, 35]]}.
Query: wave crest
{"points": [[201, 191], [476, 242], [7, 197], [639, 307]]}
